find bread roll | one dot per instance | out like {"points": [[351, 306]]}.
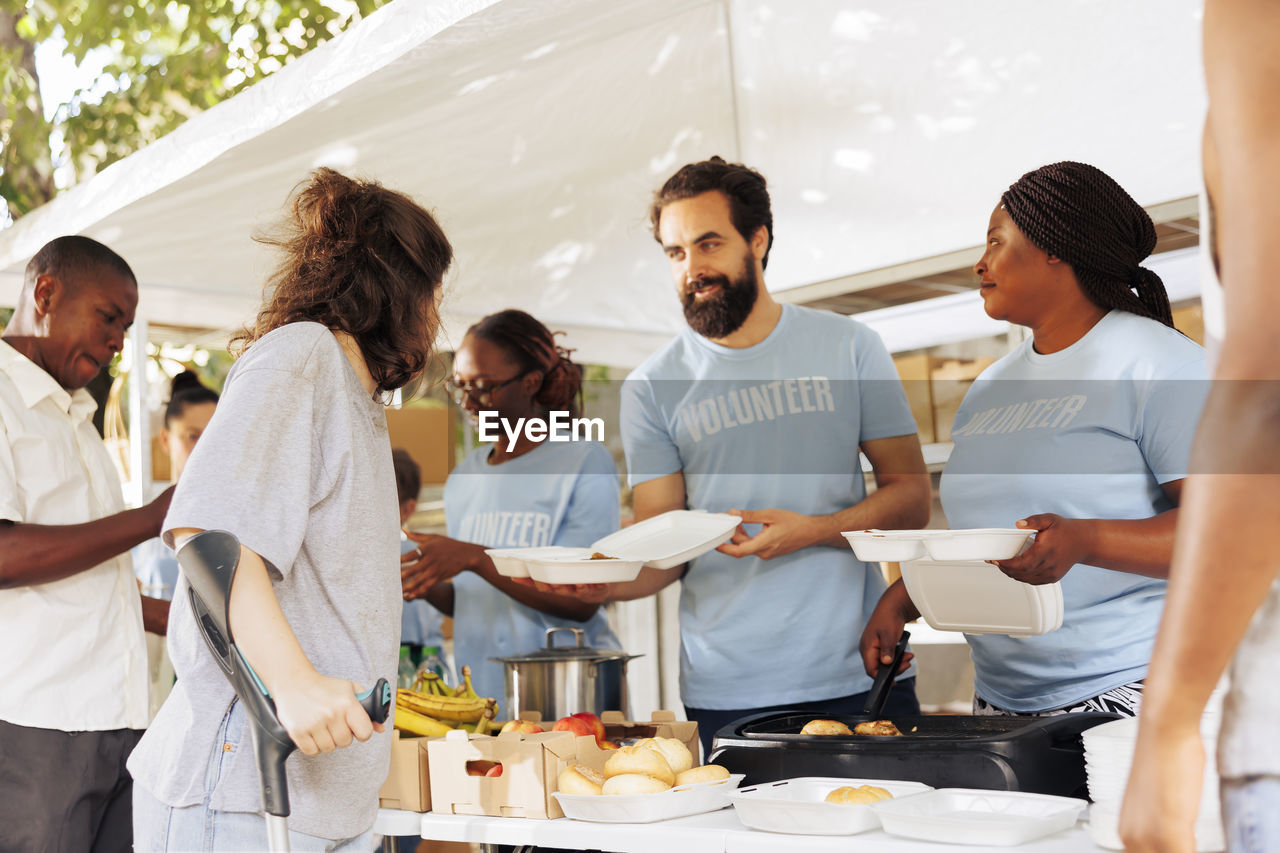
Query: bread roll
{"points": [[674, 751], [860, 795], [705, 773], [580, 779], [825, 727], [878, 728], [634, 783], [639, 759]]}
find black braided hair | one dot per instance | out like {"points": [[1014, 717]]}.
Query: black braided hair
{"points": [[1076, 212], [533, 347]]}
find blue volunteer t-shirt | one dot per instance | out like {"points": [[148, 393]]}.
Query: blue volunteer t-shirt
{"points": [[776, 425], [559, 493], [1091, 431]]}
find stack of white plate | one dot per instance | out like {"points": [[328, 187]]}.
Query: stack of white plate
{"points": [[1108, 756]]}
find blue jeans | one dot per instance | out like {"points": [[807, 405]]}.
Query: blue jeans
{"points": [[901, 703], [159, 828], [1250, 818]]}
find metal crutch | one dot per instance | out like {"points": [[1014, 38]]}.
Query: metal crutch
{"points": [[209, 560]]}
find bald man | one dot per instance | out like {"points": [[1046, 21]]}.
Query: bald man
{"points": [[74, 668]]}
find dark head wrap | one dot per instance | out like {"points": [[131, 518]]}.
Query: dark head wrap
{"points": [[1076, 212]]}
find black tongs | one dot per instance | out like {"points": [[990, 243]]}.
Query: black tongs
{"points": [[884, 680]]}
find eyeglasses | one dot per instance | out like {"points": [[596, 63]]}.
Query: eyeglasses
{"points": [[480, 390]]}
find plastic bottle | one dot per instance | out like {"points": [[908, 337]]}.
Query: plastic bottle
{"points": [[431, 661], [405, 672]]}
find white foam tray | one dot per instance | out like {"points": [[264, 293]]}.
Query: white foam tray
{"points": [[971, 816], [662, 542], [895, 546], [578, 567], [797, 806], [681, 801], [977, 598], [513, 562], [670, 539]]}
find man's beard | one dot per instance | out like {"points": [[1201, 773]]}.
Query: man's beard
{"points": [[722, 314]]}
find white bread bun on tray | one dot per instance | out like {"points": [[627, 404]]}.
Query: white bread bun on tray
{"points": [[675, 752], [639, 759], [859, 795], [580, 779], [705, 773], [634, 783]]}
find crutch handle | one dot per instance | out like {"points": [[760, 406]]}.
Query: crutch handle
{"points": [[377, 701]]}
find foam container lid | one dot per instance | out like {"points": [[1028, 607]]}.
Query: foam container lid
{"points": [[972, 816], [977, 598], [670, 539]]}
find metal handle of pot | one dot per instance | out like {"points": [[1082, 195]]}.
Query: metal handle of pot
{"points": [[577, 632]]}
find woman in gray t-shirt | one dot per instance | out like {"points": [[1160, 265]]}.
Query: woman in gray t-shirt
{"points": [[296, 463]]}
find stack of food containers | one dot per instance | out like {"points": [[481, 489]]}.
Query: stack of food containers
{"points": [[1108, 754]]}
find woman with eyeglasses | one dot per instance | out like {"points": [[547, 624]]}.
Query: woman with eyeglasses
{"points": [[529, 494]]}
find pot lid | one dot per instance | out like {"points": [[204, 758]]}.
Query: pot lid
{"points": [[578, 651]]}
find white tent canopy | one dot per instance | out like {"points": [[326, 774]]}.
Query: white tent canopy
{"points": [[537, 130]]}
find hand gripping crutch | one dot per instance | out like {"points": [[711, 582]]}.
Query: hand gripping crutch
{"points": [[209, 560]]}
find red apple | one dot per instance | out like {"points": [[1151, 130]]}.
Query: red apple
{"points": [[480, 767], [608, 744], [573, 724], [597, 725], [494, 771], [522, 726]]}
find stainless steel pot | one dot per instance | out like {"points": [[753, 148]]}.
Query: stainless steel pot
{"points": [[559, 681]]}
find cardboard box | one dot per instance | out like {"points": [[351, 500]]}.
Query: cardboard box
{"points": [[531, 764], [427, 434], [408, 784], [660, 724]]}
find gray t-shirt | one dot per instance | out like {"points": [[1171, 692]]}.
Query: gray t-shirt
{"points": [[296, 463]]}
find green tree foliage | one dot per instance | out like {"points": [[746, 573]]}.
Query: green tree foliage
{"points": [[168, 61]]}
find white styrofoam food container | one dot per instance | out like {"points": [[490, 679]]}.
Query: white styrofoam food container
{"points": [[977, 598], [992, 543], [798, 806], [1104, 829], [896, 546], [670, 539], [661, 542], [682, 801], [512, 562], [972, 816], [886, 546], [578, 567]]}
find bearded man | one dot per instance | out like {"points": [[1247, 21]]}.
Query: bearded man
{"points": [[760, 409]]}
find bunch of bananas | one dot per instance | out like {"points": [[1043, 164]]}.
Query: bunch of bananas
{"points": [[433, 708]]}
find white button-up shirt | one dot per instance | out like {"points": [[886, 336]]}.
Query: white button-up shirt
{"points": [[72, 652]]}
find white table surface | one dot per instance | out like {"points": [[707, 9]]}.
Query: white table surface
{"points": [[714, 832]]}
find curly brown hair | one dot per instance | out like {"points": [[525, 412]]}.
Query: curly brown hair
{"points": [[361, 259]]}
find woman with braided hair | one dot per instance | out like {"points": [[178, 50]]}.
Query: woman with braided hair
{"points": [[532, 493], [1082, 434]]}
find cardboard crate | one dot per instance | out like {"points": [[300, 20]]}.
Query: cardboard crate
{"points": [[531, 764], [408, 784], [659, 724]]}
